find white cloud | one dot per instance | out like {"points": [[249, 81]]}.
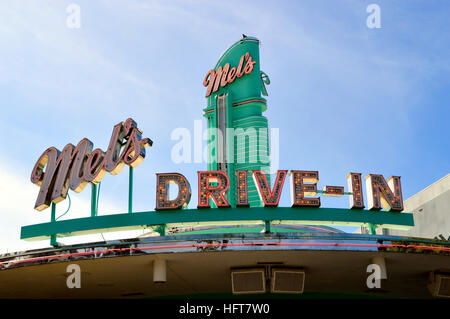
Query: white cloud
{"points": [[18, 195]]}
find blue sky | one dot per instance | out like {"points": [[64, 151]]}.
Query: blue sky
{"points": [[346, 98]]}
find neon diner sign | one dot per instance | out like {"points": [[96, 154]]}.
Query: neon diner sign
{"points": [[75, 166]]}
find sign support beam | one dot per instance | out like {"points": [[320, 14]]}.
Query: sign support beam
{"points": [[53, 241], [139, 220], [372, 229], [93, 200], [267, 226], [130, 191]]}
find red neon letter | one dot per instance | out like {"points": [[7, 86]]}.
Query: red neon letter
{"points": [[300, 190], [162, 191], [217, 193], [387, 194], [242, 189], [267, 196], [355, 186]]}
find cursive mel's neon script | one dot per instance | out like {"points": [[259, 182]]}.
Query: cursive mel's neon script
{"points": [[75, 166], [223, 76]]}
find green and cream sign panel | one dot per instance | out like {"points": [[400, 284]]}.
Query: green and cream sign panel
{"points": [[237, 130]]}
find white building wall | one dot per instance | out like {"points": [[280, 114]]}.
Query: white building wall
{"points": [[431, 208]]}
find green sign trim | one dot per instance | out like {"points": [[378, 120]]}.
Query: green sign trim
{"points": [[185, 217]]}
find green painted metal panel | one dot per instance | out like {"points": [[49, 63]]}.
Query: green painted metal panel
{"points": [[324, 216], [249, 85]]}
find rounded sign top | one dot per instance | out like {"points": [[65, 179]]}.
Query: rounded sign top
{"points": [[237, 71]]}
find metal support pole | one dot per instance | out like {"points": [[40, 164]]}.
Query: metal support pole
{"points": [[267, 226], [161, 229], [53, 241], [372, 229], [130, 191], [94, 200]]}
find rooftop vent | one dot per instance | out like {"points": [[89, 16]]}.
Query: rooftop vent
{"points": [[248, 281], [287, 281], [439, 284]]}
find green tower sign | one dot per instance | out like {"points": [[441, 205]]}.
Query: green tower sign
{"points": [[237, 175], [237, 130]]}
